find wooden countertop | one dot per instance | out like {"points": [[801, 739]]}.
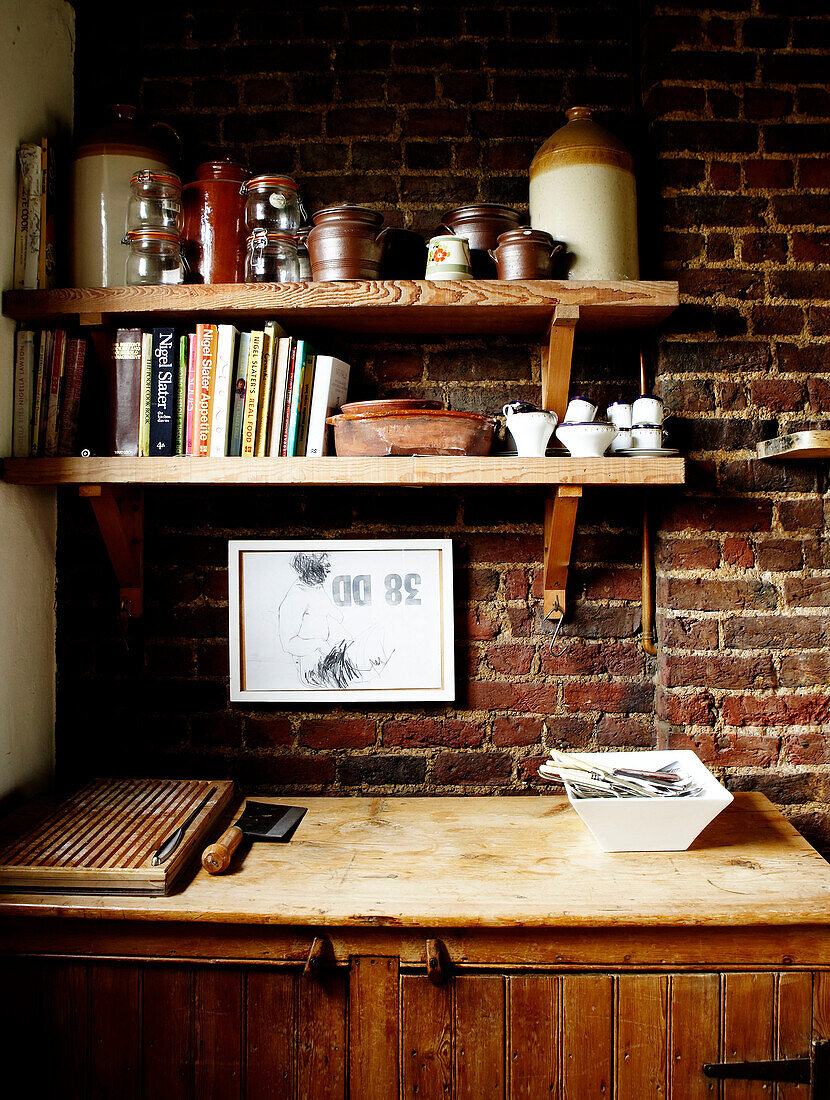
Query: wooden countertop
{"points": [[487, 863]]}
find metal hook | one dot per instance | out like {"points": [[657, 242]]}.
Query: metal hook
{"points": [[553, 611]]}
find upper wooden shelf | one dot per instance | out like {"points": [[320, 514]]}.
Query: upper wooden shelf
{"points": [[808, 444], [432, 470], [475, 306]]}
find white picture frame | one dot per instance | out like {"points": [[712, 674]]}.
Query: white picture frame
{"points": [[341, 620]]}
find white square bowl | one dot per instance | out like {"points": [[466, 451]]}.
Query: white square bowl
{"points": [[650, 824]]}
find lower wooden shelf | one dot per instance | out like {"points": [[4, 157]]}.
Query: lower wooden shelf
{"points": [[428, 470]]}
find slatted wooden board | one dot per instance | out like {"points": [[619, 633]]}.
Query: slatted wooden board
{"points": [[102, 839]]}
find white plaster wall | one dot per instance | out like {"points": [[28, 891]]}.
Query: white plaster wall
{"points": [[37, 44]]}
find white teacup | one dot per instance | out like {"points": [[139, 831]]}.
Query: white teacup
{"points": [[619, 413], [448, 257], [647, 409], [646, 437], [580, 411], [588, 440], [530, 430], [622, 441]]}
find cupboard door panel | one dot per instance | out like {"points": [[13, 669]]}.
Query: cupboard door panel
{"points": [[821, 1004], [748, 1009], [321, 1037], [794, 1026], [218, 1033], [426, 1038], [373, 1028], [270, 1025], [533, 1052], [167, 1038], [641, 1036], [587, 1036], [66, 1031], [479, 1037], [695, 1034], [114, 1014]]}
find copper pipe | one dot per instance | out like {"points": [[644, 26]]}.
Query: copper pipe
{"points": [[647, 595]]}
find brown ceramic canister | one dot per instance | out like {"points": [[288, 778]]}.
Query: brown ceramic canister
{"points": [[345, 243], [214, 223], [481, 223], [528, 254]]}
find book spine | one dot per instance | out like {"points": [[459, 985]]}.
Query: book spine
{"points": [[125, 395], [146, 392], [55, 391], [239, 387], [27, 245], [206, 365], [278, 404], [296, 390], [223, 383], [163, 392], [190, 412], [46, 259], [41, 379], [182, 380], [24, 370], [331, 383], [305, 404], [296, 351], [252, 396], [266, 390], [71, 404]]}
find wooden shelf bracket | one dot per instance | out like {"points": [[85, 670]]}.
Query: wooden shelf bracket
{"points": [[560, 520], [119, 511], [557, 354]]}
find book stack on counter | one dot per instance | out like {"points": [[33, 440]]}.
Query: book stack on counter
{"points": [[49, 375], [219, 391]]}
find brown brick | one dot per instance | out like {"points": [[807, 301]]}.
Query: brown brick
{"points": [[738, 551], [688, 553], [776, 710], [516, 585], [511, 660], [578, 658], [704, 594], [689, 709], [807, 591], [427, 732], [717, 670], [794, 515], [812, 248], [725, 175], [805, 670], [775, 631], [680, 632], [720, 515], [814, 173], [779, 394], [483, 769], [764, 103], [779, 555], [516, 731], [776, 175], [613, 697], [480, 627], [616, 731], [807, 748], [337, 733], [261, 732]]}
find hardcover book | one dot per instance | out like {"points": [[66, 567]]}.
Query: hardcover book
{"points": [[266, 390], [252, 396], [44, 359], [205, 366], [331, 384], [294, 362], [239, 387], [24, 382], [181, 395], [222, 385], [190, 410], [48, 200], [27, 242], [301, 358], [146, 393], [281, 362], [71, 401], [305, 403], [50, 446], [163, 393]]}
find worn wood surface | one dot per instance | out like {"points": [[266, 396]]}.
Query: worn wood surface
{"points": [[474, 306], [114, 1040], [390, 470], [533, 1037], [813, 443], [504, 863], [587, 1036], [426, 1039], [270, 1027], [480, 1022], [322, 1066], [642, 1036], [167, 1031], [794, 1025], [373, 1027], [695, 1016]]}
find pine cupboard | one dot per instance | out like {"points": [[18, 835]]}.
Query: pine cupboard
{"points": [[433, 947]]}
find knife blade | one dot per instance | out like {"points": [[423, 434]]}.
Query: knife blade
{"points": [[169, 846]]}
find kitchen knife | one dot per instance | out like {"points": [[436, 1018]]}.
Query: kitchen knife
{"points": [[259, 821], [174, 840]]}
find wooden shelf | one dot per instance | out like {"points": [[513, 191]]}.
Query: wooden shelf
{"points": [[507, 471], [423, 308], [808, 444]]}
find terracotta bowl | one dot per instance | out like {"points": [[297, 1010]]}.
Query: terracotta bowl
{"points": [[389, 405], [412, 432]]}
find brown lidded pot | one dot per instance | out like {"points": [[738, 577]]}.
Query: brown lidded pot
{"points": [[481, 223], [214, 223], [528, 254], [346, 243]]}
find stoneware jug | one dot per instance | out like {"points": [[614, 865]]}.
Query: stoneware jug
{"points": [[582, 191], [214, 236], [103, 166], [530, 429]]}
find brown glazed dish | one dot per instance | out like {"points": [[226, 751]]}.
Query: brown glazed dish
{"points": [[412, 432], [214, 223], [345, 243], [528, 254], [389, 404]]}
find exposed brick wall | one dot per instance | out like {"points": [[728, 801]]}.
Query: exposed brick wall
{"points": [[415, 110]]}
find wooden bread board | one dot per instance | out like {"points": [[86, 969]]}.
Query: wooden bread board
{"points": [[102, 839]]}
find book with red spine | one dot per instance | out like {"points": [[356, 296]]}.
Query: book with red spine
{"points": [[206, 336], [289, 389], [190, 408], [71, 403], [56, 372]]}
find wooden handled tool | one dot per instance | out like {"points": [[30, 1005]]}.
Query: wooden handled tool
{"points": [[258, 821]]}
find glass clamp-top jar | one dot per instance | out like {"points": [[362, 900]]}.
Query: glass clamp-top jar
{"points": [[272, 203], [303, 259], [155, 202], [272, 258], [155, 258]]}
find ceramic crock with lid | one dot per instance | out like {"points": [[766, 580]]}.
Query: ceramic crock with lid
{"points": [[214, 223], [526, 253], [582, 191], [346, 243], [100, 176]]}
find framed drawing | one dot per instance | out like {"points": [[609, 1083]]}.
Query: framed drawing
{"points": [[324, 621]]}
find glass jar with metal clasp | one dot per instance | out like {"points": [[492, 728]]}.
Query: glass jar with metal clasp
{"points": [[155, 202], [272, 203], [155, 258], [272, 258]]}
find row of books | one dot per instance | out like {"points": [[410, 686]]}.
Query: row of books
{"points": [[49, 376], [34, 249], [219, 391]]}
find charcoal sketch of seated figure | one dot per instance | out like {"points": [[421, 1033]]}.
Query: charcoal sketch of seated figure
{"points": [[311, 631]]}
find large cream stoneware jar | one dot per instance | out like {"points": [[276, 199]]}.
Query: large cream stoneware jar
{"points": [[100, 190], [582, 192]]}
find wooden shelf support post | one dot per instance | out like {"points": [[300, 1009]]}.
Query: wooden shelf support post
{"points": [[119, 511], [560, 519], [557, 354]]}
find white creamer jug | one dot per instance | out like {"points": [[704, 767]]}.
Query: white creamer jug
{"points": [[582, 192], [531, 430]]}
